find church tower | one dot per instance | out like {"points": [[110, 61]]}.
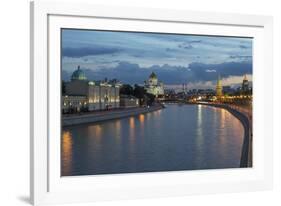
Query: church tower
{"points": [[219, 87], [245, 84]]}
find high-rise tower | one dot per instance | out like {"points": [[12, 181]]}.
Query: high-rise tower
{"points": [[219, 87], [245, 84]]}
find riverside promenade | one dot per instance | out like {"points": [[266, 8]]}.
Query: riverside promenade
{"points": [[245, 118], [74, 119]]}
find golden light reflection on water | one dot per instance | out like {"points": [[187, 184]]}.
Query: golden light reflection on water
{"points": [[132, 135], [199, 124], [141, 118], [157, 113], [199, 132], [132, 122], [224, 116], [95, 131], [67, 144], [132, 129], [229, 123], [118, 129], [209, 133], [238, 127]]}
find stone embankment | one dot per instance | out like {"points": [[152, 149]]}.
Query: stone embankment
{"points": [[246, 153], [68, 120]]}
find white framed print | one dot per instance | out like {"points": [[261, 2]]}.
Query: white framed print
{"points": [[137, 103]]}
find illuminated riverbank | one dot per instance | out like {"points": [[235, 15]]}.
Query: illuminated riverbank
{"points": [[179, 137], [246, 153], [106, 115]]}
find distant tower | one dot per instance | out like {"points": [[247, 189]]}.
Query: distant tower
{"points": [[245, 84], [219, 87]]}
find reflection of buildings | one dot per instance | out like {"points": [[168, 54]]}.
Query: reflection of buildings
{"points": [[81, 94], [154, 87], [219, 87]]}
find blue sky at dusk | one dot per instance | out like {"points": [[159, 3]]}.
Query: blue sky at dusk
{"points": [[176, 59]]}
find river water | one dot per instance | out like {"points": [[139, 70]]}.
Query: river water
{"points": [[179, 137]]}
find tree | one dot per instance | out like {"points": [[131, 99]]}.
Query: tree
{"points": [[150, 98], [63, 87], [139, 91], [126, 89]]}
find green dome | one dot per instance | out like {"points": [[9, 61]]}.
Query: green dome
{"points": [[78, 74]]}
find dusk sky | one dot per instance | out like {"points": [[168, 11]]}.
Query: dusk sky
{"points": [[176, 59]]}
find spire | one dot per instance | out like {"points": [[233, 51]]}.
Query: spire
{"points": [[219, 80], [78, 67], [245, 78]]}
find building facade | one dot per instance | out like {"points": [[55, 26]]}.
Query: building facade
{"points": [[72, 104], [128, 101], [99, 95], [219, 87], [153, 86], [245, 84]]}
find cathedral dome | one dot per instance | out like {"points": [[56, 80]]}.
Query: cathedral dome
{"points": [[78, 74], [153, 76]]}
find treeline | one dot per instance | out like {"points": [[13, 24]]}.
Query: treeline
{"points": [[138, 92]]}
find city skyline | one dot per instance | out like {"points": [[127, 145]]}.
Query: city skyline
{"points": [[131, 57]]}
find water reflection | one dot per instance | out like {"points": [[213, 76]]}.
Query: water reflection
{"points": [[132, 128], [141, 118], [118, 129], [199, 136], [176, 138], [67, 151]]}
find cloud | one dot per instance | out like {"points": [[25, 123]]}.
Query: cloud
{"points": [[224, 69], [243, 47], [195, 41], [235, 80], [245, 57], [87, 51], [196, 72], [171, 50], [211, 70], [185, 46]]}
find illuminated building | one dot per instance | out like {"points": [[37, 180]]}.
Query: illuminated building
{"points": [[98, 95], [74, 103], [245, 84], [219, 87], [154, 87], [127, 101]]}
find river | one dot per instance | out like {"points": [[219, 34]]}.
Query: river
{"points": [[179, 137]]}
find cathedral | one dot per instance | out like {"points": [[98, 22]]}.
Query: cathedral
{"points": [[82, 94], [152, 86]]}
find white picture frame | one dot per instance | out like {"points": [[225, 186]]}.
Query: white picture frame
{"points": [[47, 18]]}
